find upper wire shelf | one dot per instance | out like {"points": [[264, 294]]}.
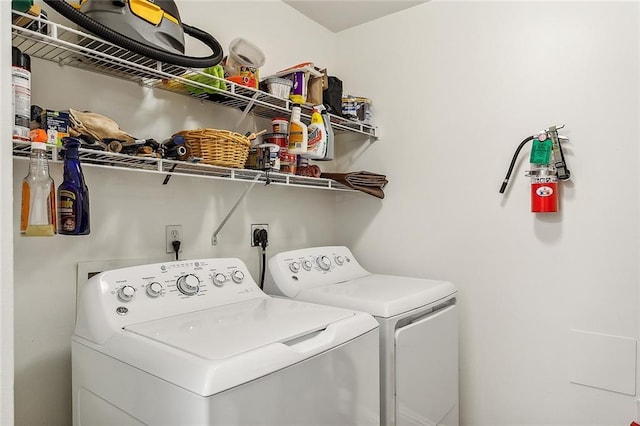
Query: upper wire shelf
{"points": [[68, 46]]}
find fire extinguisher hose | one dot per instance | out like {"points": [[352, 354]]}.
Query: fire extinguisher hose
{"points": [[505, 182]]}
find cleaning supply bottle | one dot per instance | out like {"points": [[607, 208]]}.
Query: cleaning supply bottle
{"points": [[330, 136], [73, 194], [21, 100], [38, 208], [297, 132], [317, 139]]}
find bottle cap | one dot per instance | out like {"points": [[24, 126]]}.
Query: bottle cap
{"points": [[19, 59], [69, 142], [38, 145]]}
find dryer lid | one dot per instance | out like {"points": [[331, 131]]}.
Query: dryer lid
{"points": [[224, 332], [380, 295]]}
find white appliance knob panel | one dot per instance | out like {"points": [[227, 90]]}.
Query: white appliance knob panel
{"points": [[219, 279], [294, 267], [126, 293], [188, 284], [339, 260], [237, 276], [307, 265], [324, 263], [154, 289]]}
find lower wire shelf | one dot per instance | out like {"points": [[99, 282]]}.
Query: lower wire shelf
{"points": [[117, 161]]}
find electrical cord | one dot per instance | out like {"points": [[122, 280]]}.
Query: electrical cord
{"points": [[176, 247], [263, 268], [505, 182], [261, 239]]}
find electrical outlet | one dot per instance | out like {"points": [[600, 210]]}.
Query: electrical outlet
{"points": [[254, 228], [174, 233]]}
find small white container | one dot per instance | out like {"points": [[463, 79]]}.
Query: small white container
{"points": [[280, 87]]}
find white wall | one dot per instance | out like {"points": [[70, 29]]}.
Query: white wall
{"points": [[129, 210], [6, 230], [456, 86]]}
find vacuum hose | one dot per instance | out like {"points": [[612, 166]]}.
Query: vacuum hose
{"points": [[69, 12]]}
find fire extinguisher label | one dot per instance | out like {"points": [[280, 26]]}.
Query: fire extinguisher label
{"points": [[544, 191]]}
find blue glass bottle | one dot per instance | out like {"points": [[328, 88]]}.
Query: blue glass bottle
{"points": [[73, 194]]}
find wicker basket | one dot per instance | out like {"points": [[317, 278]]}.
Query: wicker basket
{"points": [[217, 147]]}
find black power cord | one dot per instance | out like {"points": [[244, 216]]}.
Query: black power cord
{"points": [[261, 239], [176, 247]]}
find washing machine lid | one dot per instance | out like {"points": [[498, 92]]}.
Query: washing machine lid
{"points": [[224, 332], [380, 295], [216, 349]]}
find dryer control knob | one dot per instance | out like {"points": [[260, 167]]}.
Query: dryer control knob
{"points": [[154, 289], [219, 279], [237, 276], [339, 260], [188, 284], [324, 263], [294, 267], [307, 265], [126, 293]]}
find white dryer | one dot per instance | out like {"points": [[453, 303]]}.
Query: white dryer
{"points": [[418, 327], [198, 343]]}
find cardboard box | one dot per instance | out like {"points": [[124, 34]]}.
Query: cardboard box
{"points": [[315, 86], [56, 124]]}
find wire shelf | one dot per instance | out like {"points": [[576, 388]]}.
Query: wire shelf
{"points": [[68, 46], [119, 161]]}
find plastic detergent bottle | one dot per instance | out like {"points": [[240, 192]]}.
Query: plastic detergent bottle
{"points": [[317, 139], [38, 208], [73, 194], [329, 130], [297, 132]]}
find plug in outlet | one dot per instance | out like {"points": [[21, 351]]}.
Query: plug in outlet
{"points": [[256, 227], [174, 233]]}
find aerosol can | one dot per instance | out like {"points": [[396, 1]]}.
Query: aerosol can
{"points": [[547, 167]]}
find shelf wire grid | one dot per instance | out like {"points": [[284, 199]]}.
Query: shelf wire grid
{"points": [[119, 161], [72, 47]]}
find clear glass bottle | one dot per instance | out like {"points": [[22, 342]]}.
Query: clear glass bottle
{"points": [[38, 209], [73, 194]]}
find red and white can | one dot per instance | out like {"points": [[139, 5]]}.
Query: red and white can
{"points": [[544, 191]]}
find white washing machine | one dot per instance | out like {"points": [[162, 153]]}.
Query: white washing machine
{"points": [[418, 327], [198, 343]]}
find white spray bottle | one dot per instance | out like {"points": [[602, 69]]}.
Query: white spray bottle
{"points": [[330, 136], [317, 139]]}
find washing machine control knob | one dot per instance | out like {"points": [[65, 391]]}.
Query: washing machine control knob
{"points": [[237, 276], [126, 293], [324, 263], [294, 267], [339, 260], [154, 289], [219, 279], [188, 284], [307, 265]]}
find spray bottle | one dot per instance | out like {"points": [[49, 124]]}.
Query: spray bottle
{"points": [[317, 140], [297, 132], [328, 156], [73, 194]]}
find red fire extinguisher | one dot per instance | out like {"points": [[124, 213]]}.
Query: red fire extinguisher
{"points": [[547, 167]]}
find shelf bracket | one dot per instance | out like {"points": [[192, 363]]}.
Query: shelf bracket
{"points": [[214, 237], [247, 109]]}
